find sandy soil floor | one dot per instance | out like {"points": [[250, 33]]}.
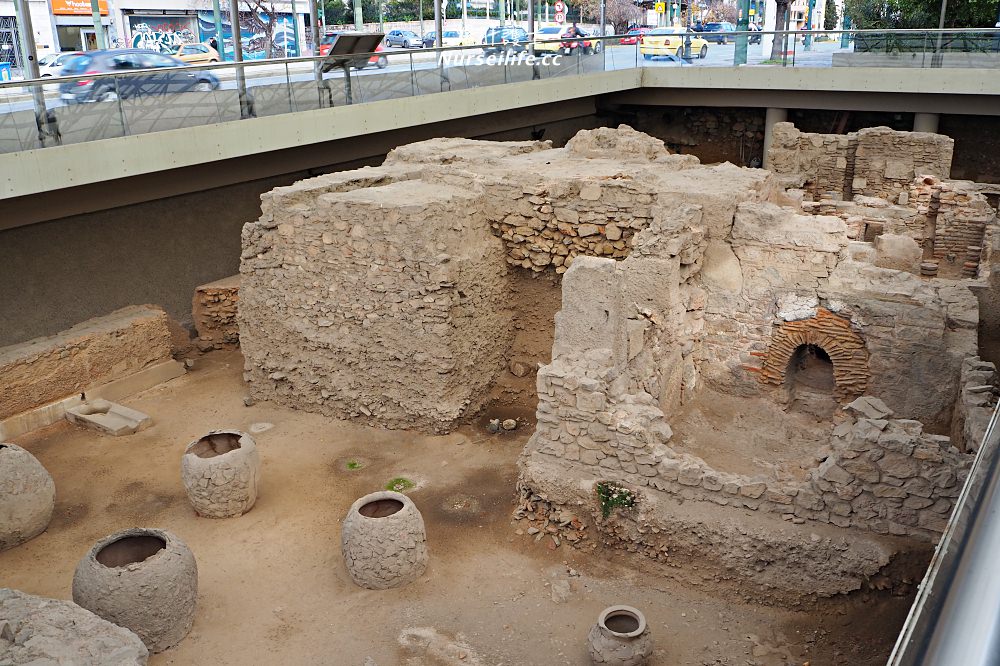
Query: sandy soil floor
{"points": [[273, 587], [750, 435]]}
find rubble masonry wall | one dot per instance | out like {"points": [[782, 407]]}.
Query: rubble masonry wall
{"points": [[389, 302], [92, 353]]}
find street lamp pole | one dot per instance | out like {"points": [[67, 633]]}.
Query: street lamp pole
{"points": [[29, 70], [358, 18]]}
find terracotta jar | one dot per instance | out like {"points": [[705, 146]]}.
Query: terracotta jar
{"points": [[620, 638], [383, 541], [221, 472], [27, 496], [142, 579]]}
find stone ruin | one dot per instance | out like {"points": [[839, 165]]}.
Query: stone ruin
{"points": [[385, 295]]}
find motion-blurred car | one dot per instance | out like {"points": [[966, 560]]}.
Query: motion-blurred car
{"points": [[405, 38], [718, 32], [194, 54], [670, 41], [547, 39], [326, 43], [52, 64], [506, 39], [450, 38], [633, 36], [165, 74]]}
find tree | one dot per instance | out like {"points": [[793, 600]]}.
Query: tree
{"points": [[830, 16], [621, 14], [780, 43], [901, 14]]}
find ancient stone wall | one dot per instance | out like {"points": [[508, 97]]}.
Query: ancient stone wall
{"points": [[777, 261], [824, 161], [214, 311], [97, 351], [887, 161], [389, 302], [883, 475], [876, 162], [976, 403]]}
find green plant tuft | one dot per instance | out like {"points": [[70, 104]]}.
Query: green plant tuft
{"points": [[354, 464], [611, 495], [399, 484]]}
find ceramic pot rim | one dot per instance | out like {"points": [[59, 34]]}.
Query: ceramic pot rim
{"points": [[623, 610]]}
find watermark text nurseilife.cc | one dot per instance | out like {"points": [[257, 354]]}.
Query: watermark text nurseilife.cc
{"points": [[455, 59]]}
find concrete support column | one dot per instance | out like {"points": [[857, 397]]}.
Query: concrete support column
{"points": [[773, 116], [926, 122]]}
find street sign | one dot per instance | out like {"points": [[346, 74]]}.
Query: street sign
{"points": [[752, 11], [560, 6], [560, 17], [661, 7]]}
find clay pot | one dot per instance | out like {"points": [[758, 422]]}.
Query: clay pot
{"points": [[27, 496], [220, 472], [142, 579], [383, 541], [620, 638]]}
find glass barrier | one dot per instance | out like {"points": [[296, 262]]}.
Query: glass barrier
{"points": [[67, 110]]}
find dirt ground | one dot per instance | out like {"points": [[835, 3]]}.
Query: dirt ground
{"points": [[745, 435], [273, 587]]}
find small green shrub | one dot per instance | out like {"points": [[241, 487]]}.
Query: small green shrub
{"points": [[611, 495], [354, 464], [399, 484]]}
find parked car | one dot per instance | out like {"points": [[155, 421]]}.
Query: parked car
{"points": [[380, 61], [450, 38], [168, 75], [543, 39], [52, 64], [195, 54], [573, 44], [718, 32], [508, 39], [405, 38], [633, 36], [670, 41]]}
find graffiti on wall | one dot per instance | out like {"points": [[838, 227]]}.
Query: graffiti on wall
{"points": [[261, 35], [162, 33]]}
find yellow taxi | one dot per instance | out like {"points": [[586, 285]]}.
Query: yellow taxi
{"points": [[670, 41], [196, 54], [547, 39]]}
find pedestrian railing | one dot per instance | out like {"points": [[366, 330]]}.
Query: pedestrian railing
{"points": [[74, 109], [955, 618]]}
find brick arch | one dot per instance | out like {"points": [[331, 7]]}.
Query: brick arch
{"points": [[835, 336]]}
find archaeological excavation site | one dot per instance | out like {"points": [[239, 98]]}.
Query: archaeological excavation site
{"points": [[508, 403]]}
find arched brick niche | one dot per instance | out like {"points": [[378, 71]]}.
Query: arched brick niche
{"points": [[835, 336]]}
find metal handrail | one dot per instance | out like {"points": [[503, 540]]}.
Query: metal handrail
{"points": [[243, 65], [955, 618]]}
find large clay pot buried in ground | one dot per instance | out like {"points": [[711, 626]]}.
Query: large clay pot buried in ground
{"points": [[220, 472], [27, 496], [620, 638], [383, 541], [142, 579]]}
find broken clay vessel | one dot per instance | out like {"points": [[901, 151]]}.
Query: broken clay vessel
{"points": [[27, 496], [383, 541], [620, 638], [221, 472], [143, 579]]}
